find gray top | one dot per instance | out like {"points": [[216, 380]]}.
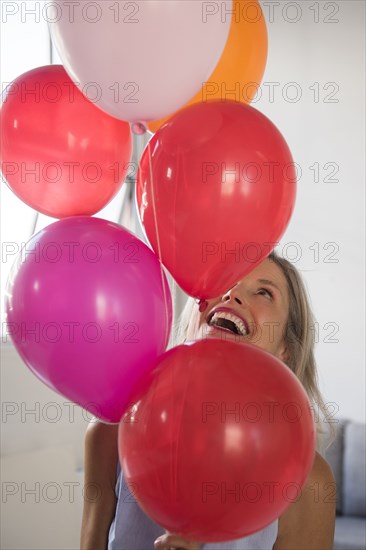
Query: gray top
{"points": [[132, 529]]}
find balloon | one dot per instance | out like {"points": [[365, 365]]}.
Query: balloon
{"points": [[60, 154], [215, 191], [240, 69], [89, 310], [140, 60], [221, 443]]}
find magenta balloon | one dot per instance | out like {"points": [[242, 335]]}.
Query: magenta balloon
{"points": [[89, 310]]}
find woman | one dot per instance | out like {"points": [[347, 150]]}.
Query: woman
{"points": [[269, 309]]}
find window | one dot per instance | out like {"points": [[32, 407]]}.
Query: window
{"points": [[25, 45]]}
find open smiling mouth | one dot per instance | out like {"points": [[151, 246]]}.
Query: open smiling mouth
{"points": [[227, 321]]}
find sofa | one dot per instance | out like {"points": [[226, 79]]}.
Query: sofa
{"points": [[347, 458]]}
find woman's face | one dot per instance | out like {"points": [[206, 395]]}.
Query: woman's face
{"points": [[255, 310]]}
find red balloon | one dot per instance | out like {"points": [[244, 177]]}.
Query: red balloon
{"points": [[60, 154], [216, 189], [221, 443]]}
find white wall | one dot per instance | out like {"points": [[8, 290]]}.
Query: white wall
{"points": [[329, 57], [41, 462]]}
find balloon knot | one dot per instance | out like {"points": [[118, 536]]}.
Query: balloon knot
{"points": [[138, 128], [202, 305]]}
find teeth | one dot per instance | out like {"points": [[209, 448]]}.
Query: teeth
{"points": [[230, 317]]}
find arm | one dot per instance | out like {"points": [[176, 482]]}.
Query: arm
{"points": [[101, 458], [308, 524]]}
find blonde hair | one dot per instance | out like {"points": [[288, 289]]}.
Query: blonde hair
{"points": [[299, 338]]}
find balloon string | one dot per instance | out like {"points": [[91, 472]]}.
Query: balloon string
{"points": [[174, 300], [159, 247]]}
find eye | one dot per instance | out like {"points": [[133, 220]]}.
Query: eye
{"points": [[265, 292]]}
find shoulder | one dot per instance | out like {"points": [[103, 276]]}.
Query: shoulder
{"points": [[320, 480], [320, 471], [101, 452], [308, 523], [319, 491], [100, 433]]}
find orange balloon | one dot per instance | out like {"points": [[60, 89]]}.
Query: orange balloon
{"points": [[240, 70]]}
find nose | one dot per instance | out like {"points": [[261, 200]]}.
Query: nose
{"points": [[233, 295]]}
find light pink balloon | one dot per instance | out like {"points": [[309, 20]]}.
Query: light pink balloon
{"points": [[140, 60]]}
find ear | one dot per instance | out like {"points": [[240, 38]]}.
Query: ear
{"points": [[283, 353]]}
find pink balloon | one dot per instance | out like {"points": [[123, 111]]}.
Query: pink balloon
{"points": [[89, 310], [140, 60]]}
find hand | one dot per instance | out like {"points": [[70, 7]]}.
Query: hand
{"points": [[175, 542]]}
